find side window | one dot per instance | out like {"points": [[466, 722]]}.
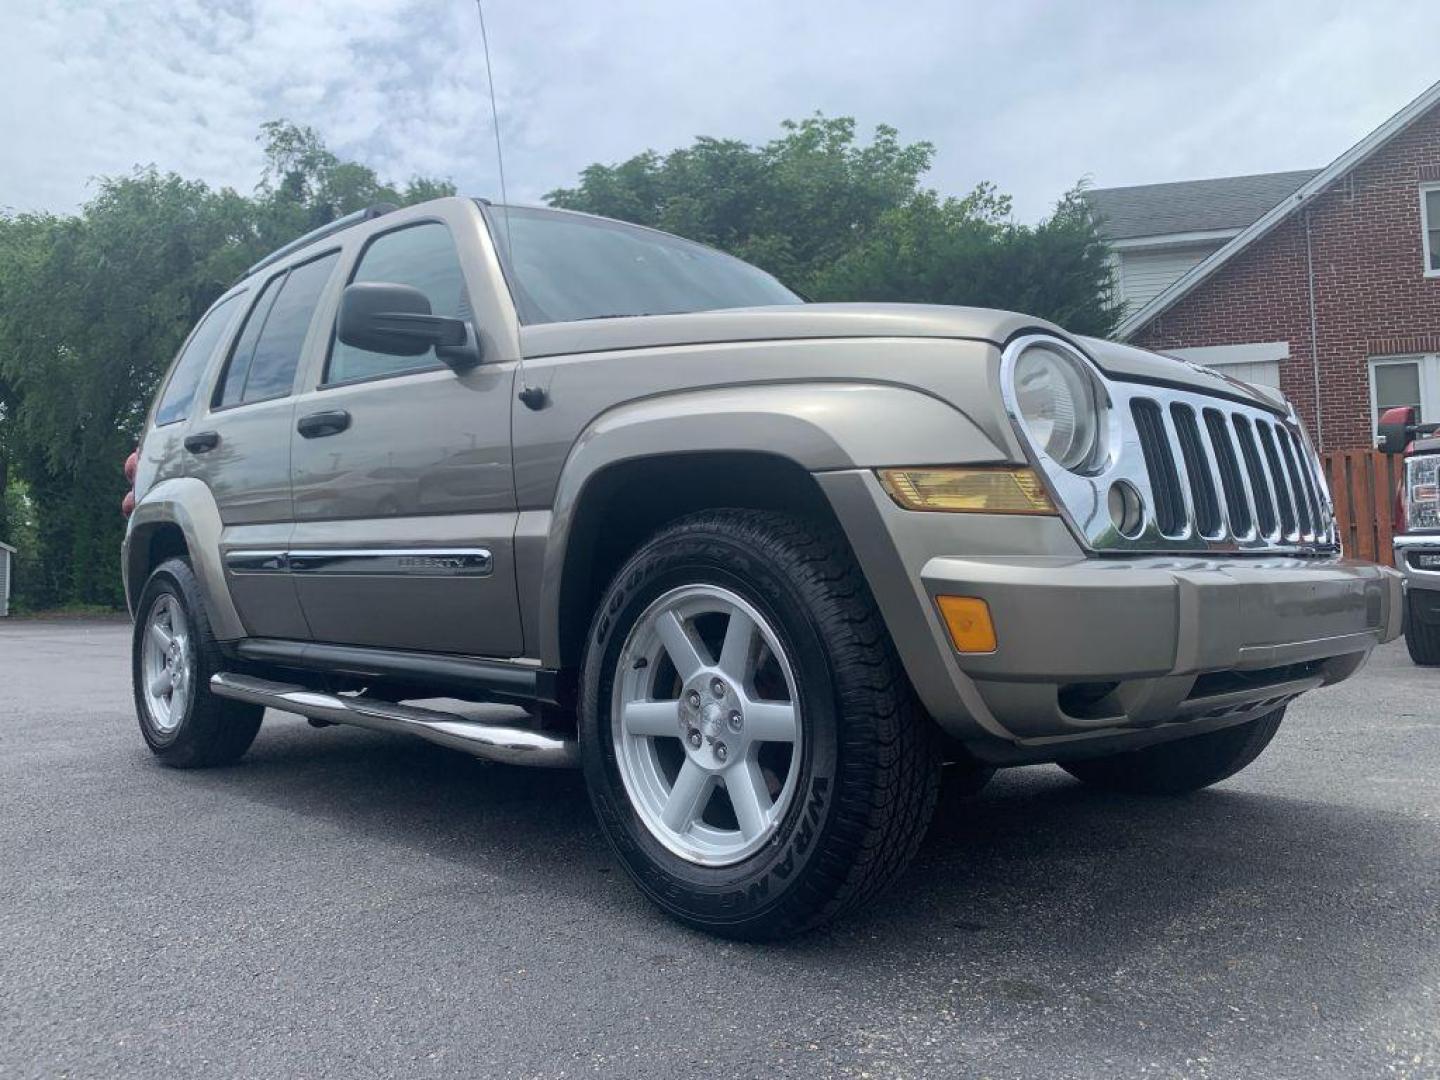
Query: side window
{"points": [[180, 392], [423, 257], [1396, 383], [1430, 229], [233, 383], [268, 350]]}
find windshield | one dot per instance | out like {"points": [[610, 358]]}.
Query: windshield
{"points": [[566, 266]]}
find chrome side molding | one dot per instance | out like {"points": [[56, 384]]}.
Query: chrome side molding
{"points": [[256, 562], [494, 742], [384, 562]]}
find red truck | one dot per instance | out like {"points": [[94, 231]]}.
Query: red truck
{"points": [[1417, 526]]}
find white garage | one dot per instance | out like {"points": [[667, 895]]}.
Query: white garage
{"points": [[7, 554], [1256, 362]]}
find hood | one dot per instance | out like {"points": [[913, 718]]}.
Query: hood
{"points": [[776, 322], [794, 321]]}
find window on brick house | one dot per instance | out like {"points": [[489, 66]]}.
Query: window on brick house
{"points": [[1430, 228], [1402, 381]]}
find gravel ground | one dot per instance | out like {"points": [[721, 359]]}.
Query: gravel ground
{"points": [[345, 904]]}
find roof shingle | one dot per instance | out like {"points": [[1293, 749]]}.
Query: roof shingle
{"points": [[1229, 202]]}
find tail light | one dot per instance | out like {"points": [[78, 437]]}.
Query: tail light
{"points": [[132, 465]]}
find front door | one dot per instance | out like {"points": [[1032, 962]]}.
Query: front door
{"points": [[404, 500]]}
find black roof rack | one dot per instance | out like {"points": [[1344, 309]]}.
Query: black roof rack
{"points": [[338, 225]]}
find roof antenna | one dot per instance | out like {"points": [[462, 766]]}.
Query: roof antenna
{"points": [[495, 116], [533, 397]]}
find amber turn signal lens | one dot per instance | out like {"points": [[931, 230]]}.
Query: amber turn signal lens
{"points": [[968, 620], [980, 491]]}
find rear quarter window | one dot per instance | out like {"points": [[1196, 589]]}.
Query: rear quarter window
{"points": [[179, 393]]}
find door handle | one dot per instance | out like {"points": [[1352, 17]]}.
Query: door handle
{"points": [[202, 441], [318, 425]]}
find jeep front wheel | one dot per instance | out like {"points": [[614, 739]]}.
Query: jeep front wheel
{"points": [[753, 750]]}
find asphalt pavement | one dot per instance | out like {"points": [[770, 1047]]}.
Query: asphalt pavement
{"points": [[348, 904]]}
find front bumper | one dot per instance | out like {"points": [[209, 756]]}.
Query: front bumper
{"points": [[1102, 654], [1415, 554], [1087, 644]]}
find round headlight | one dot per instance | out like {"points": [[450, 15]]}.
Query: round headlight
{"points": [[1060, 406]]}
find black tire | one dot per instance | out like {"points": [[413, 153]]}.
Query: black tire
{"points": [[210, 730], [1181, 766], [965, 780], [1422, 639], [869, 762]]}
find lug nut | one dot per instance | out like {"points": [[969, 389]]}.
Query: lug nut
{"points": [[717, 688], [720, 752], [693, 699], [693, 739], [736, 720]]}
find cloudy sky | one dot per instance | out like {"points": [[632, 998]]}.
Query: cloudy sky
{"points": [[1031, 95]]}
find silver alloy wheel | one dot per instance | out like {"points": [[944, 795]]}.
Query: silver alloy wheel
{"points": [[705, 718], [166, 664]]}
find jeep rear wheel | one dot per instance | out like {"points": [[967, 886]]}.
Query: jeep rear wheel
{"points": [[754, 752], [173, 655], [1181, 766]]}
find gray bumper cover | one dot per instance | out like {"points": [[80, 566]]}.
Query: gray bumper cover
{"points": [[1151, 626]]}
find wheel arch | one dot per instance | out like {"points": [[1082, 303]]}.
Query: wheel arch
{"points": [[645, 464], [179, 518], [627, 502]]}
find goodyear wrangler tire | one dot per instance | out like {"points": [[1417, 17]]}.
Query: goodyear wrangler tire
{"points": [[754, 752], [1182, 766], [172, 657]]}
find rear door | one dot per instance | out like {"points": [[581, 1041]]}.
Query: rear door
{"points": [[404, 499], [240, 444]]}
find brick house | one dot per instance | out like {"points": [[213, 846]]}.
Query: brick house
{"points": [[1332, 292]]}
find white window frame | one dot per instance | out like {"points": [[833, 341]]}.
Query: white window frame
{"points": [[1425, 229], [1429, 365]]}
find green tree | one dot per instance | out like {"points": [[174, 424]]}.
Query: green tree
{"points": [[92, 309], [970, 251], [792, 206], [840, 220]]}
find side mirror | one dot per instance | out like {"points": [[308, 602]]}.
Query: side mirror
{"points": [[1396, 429], [396, 320]]}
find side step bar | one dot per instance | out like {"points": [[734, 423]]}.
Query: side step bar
{"points": [[512, 745], [496, 680]]}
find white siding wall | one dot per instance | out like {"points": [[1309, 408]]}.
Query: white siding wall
{"points": [[1144, 274], [4, 582], [1260, 373], [1257, 362]]}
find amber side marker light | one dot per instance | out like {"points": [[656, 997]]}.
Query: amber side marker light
{"points": [[968, 620], [968, 490]]}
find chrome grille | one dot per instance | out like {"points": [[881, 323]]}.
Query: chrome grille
{"points": [[1214, 474], [1284, 490], [1168, 499], [1237, 501], [1199, 469]]}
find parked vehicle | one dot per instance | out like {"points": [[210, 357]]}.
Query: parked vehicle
{"points": [[758, 566], [1417, 527]]}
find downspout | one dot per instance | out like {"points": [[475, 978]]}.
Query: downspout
{"points": [[1314, 337]]}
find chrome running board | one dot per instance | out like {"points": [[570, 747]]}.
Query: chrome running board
{"points": [[511, 745]]}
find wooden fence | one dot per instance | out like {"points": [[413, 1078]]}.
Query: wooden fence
{"points": [[1362, 483]]}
